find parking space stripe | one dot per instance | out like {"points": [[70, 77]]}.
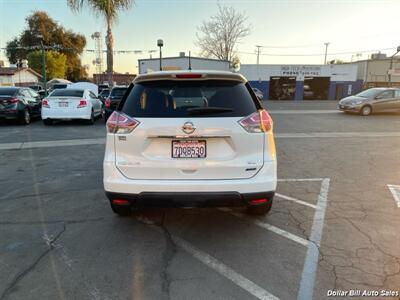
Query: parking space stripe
{"points": [[307, 282], [224, 270], [299, 179], [215, 264], [337, 135], [295, 200], [101, 141], [269, 227], [304, 111], [395, 190]]}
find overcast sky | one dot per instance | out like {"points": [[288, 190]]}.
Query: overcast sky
{"points": [[300, 25]]}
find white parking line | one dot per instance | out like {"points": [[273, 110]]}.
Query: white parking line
{"points": [[337, 135], [101, 141], [304, 111], [225, 271], [295, 200], [395, 190], [299, 179], [307, 282], [269, 227], [216, 265]]}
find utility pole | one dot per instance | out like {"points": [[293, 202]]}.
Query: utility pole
{"points": [[44, 69], [258, 52], [160, 43], [326, 52], [391, 65]]}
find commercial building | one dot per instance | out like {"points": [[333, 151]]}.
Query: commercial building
{"points": [[276, 82], [13, 76], [303, 82], [182, 62], [118, 78], [376, 72]]}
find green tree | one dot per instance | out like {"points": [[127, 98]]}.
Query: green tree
{"points": [[42, 28], [109, 10], [55, 63]]}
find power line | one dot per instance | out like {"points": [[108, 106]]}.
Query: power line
{"points": [[84, 50], [319, 54]]}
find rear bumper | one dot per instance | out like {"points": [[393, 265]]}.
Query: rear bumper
{"points": [[191, 199], [7, 115], [60, 114]]}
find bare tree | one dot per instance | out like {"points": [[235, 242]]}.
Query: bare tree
{"points": [[218, 36]]}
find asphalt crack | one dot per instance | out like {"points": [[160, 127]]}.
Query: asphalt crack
{"points": [[51, 245], [169, 253]]}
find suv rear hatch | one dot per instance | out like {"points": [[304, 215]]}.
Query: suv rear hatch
{"points": [[189, 130]]}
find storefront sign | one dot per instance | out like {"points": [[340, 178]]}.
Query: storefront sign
{"points": [[300, 71]]}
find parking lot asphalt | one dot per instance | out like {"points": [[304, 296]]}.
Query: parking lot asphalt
{"points": [[334, 224]]}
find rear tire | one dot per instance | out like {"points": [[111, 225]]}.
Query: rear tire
{"points": [[366, 110], [122, 211], [26, 117], [92, 119], [48, 122], [262, 209]]}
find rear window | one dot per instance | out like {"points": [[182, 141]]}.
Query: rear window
{"points": [[67, 93], [118, 92], [59, 86], [7, 91], [175, 99]]}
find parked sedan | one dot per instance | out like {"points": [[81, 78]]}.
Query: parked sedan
{"points": [[17, 103], [371, 101], [68, 104], [113, 100]]}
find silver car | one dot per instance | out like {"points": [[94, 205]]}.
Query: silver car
{"points": [[372, 101]]}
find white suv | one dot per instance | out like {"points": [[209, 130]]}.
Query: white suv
{"points": [[190, 139]]}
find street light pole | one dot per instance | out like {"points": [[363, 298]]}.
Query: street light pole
{"points": [[44, 69], [326, 52], [160, 43], [391, 65]]}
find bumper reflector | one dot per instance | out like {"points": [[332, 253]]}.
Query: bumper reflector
{"points": [[258, 201], [119, 202]]}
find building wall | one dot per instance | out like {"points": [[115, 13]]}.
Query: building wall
{"points": [[23, 77], [182, 63], [119, 79], [376, 71]]}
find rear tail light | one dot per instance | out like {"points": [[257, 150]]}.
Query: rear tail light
{"points": [[13, 100], [259, 121], [107, 102], [121, 123], [45, 103], [82, 103]]}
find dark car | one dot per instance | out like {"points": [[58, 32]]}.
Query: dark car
{"points": [[113, 100], [103, 95], [18, 103], [371, 101]]}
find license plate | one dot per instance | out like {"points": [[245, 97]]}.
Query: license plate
{"points": [[63, 104], [189, 149]]}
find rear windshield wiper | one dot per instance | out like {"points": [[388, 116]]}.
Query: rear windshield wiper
{"points": [[208, 110]]}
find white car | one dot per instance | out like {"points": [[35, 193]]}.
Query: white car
{"points": [[216, 152], [71, 104]]}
